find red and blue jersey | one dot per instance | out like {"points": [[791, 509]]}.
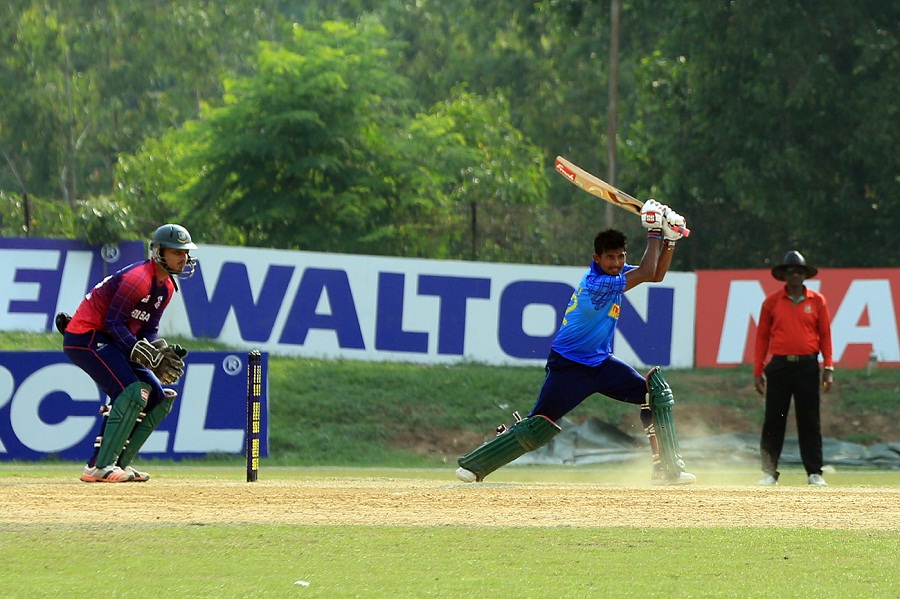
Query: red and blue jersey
{"points": [[127, 306], [586, 333]]}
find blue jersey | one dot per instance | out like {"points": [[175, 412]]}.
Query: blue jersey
{"points": [[586, 333]]}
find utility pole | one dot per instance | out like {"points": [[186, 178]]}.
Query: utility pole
{"points": [[612, 110]]}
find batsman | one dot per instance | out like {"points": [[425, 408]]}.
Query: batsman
{"points": [[113, 337], [581, 362]]}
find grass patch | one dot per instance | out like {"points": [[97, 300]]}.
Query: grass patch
{"points": [[407, 561], [346, 413]]}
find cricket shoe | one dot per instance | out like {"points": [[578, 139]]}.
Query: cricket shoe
{"points": [[816, 480], [139, 477], [684, 478], [467, 476], [767, 481], [108, 474]]}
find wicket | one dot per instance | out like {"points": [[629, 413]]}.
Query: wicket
{"points": [[254, 394]]}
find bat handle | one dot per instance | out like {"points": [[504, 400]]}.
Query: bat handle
{"points": [[683, 230]]}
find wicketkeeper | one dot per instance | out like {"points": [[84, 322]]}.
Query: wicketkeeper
{"points": [[113, 336], [581, 362]]}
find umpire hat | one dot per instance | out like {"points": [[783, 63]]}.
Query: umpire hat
{"points": [[793, 259]]}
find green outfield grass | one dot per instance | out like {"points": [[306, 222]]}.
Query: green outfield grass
{"points": [[361, 561]]}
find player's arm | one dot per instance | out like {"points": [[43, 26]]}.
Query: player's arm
{"points": [[761, 347], [672, 227], [651, 219], [825, 346], [665, 260], [646, 270]]}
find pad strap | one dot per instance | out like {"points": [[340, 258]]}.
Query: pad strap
{"points": [[526, 435], [122, 416]]}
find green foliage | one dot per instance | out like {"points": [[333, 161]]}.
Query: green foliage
{"points": [[103, 220], [289, 159], [41, 218], [320, 149], [91, 80], [785, 99], [428, 128]]}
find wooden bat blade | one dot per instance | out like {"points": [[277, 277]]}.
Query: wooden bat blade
{"points": [[596, 186]]}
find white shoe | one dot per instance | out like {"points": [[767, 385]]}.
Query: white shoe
{"points": [[109, 474], [767, 481], [139, 477], [817, 480], [467, 476], [684, 478]]}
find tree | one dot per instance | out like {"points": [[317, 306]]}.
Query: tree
{"points": [[771, 121], [321, 149], [496, 171], [91, 79]]}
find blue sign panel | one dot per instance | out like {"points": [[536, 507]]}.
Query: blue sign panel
{"points": [[51, 408]]}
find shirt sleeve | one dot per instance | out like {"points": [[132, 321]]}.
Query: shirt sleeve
{"points": [[763, 334], [825, 346]]}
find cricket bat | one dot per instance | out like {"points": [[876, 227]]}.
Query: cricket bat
{"points": [[600, 188]]}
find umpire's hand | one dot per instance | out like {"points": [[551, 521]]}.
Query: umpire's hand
{"points": [[827, 379], [759, 383]]}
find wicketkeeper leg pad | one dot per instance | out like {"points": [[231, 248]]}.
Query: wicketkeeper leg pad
{"points": [[662, 403], [145, 427], [526, 435], [120, 423]]}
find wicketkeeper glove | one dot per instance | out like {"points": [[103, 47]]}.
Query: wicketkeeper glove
{"points": [[171, 368], [160, 358], [652, 215], [146, 354]]}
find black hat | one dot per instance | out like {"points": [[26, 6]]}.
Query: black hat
{"points": [[793, 258]]}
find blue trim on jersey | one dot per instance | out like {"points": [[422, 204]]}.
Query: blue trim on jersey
{"points": [[586, 333]]}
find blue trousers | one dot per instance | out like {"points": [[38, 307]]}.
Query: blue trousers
{"points": [[569, 383]]}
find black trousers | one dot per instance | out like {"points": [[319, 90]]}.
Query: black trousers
{"points": [[799, 380]]}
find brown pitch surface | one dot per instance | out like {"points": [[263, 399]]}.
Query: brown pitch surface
{"points": [[419, 502]]}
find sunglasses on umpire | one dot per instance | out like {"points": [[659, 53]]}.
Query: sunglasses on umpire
{"points": [[793, 270]]}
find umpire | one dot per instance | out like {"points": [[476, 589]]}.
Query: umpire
{"points": [[794, 328]]}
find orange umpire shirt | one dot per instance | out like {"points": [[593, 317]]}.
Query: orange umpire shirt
{"points": [[789, 328]]}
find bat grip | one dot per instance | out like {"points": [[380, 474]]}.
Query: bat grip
{"points": [[683, 230]]}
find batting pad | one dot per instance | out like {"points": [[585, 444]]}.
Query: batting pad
{"points": [[526, 435], [145, 427], [662, 404], [122, 416]]}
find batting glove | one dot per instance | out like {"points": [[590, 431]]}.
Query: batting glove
{"points": [[652, 215]]}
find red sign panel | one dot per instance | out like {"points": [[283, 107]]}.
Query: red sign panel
{"points": [[863, 304]]}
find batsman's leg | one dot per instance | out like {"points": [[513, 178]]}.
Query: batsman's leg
{"points": [[146, 424], [650, 431], [524, 436], [671, 467]]}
